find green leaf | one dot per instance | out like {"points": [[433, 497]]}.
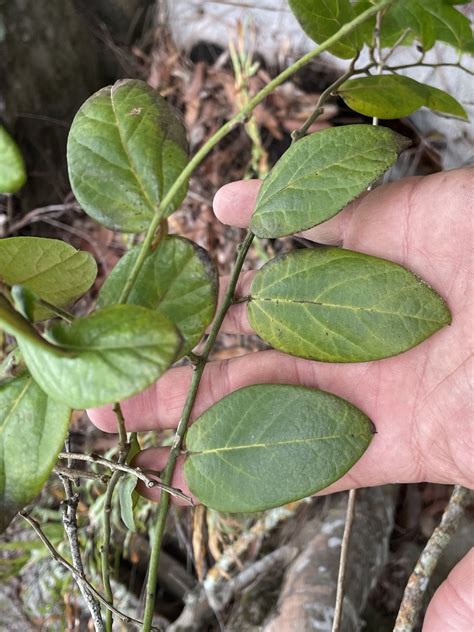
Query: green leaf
{"points": [[127, 500], [395, 96], [427, 21], [32, 431], [53, 270], [320, 174], [24, 301], [125, 149], [449, 25], [128, 496], [320, 19], [267, 445], [12, 167], [110, 355], [408, 15], [178, 279], [337, 305]]}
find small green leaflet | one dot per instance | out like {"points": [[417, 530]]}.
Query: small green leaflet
{"points": [[108, 356], [320, 19], [12, 167], [125, 149], [53, 270], [32, 431], [336, 305], [127, 494], [178, 279], [128, 498], [320, 174], [427, 21], [395, 96], [266, 445]]}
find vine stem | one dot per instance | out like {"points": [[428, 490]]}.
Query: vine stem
{"points": [[165, 206], [167, 474], [319, 109]]}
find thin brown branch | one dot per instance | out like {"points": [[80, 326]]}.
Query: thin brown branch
{"points": [[128, 469], [343, 561], [325, 95], [418, 582], [427, 65], [76, 475], [69, 511], [39, 214]]}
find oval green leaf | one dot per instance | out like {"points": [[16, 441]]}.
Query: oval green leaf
{"points": [[110, 355], [12, 166], [317, 177], [125, 149], [32, 431], [55, 271], [395, 96], [178, 279], [320, 19], [336, 305], [267, 445], [128, 498]]}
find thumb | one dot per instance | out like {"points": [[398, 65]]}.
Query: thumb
{"points": [[452, 607], [234, 204]]}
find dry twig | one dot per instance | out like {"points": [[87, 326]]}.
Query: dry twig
{"points": [[343, 560], [418, 582]]}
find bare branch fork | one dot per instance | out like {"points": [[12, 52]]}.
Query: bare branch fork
{"points": [[123, 467]]}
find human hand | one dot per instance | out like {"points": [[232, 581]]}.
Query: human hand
{"points": [[420, 401]]}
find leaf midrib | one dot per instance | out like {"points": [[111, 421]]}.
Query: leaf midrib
{"points": [[133, 169], [348, 307], [343, 436]]}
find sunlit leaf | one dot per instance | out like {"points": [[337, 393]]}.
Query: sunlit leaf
{"points": [[125, 149], [55, 271], [266, 445], [322, 18], [178, 279], [395, 96], [12, 167], [337, 305], [320, 174], [32, 431], [99, 359]]}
